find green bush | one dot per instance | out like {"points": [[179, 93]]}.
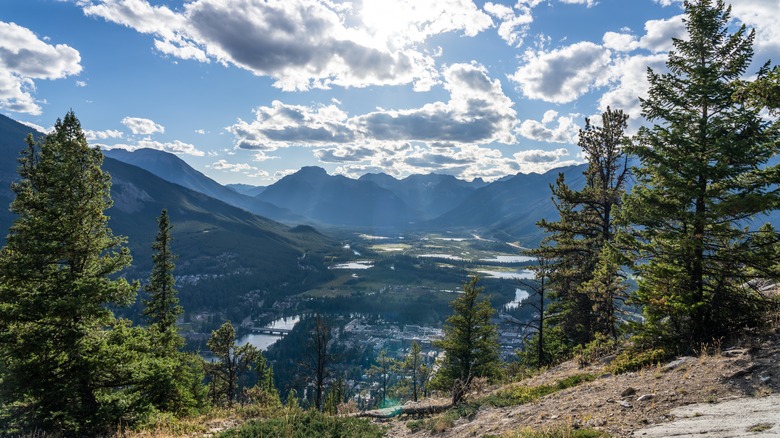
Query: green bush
{"points": [[599, 347], [632, 360]]}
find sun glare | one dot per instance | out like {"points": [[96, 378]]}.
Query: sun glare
{"points": [[386, 18]]}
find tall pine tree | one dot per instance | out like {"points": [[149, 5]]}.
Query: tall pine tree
{"points": [[704, 175], [162, 307], [57, 284], [584, 304]]}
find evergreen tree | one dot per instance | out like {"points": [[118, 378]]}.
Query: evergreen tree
{"points": [[59, 358], [162, 308], [582, 305], [470, 342], [412, 367], [233, 362], [704, 175], [174, 379], [382, 372], [320, 358]]}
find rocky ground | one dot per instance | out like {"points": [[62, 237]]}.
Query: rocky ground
{"points": [[725, 392]]}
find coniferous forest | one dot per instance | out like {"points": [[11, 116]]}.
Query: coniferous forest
{"points": [[662, 250]]}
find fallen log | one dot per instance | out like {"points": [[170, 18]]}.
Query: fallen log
{"points": [[418, 409]]}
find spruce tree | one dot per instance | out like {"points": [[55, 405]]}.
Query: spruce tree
{"points": [[162, 308], [57, 285], [703, 177], [470, 342], [173, 381]]}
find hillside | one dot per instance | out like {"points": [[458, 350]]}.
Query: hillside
{"points": [[217, 244], [719, 393], [173, 169]]}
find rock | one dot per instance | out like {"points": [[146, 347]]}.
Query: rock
{"points": [[685, 360], [625, 404], [742, 372], [765, 379], [645, 397], [628, 392], [736, 352]]}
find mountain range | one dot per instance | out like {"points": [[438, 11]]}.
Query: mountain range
{"points": [[507, 209], [212, 238]]}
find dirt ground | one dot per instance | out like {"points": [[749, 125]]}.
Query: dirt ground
{"points": [[633, 404]]}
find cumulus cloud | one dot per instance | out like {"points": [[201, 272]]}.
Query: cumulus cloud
{"points": [[564, 131], [102, 135], [513, 25], [174, 147], [761, 15], [232, 167], [303, 44], [621, 42], [659, 33], [629, 74], [478, 112], [141, 126], [441, 136], [25, 58], [562, 75]]}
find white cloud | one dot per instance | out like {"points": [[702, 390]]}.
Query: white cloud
{"points": [[232, 167], [102, 135], [763, 16], [621, 42], [175, 147], [562, 75], [36, 127], [81, 84], [478, 112], [540, 161], [659, 33], [303, 44], [25, 58], [514, 26], [565, 131], [201, 131], [588, 3], [630, 77], [141, 126]]}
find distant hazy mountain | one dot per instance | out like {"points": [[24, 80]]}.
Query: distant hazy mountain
{"points": [[509, 209], [209, 236], [246, 189], [430, 195], [340, 201], [173, 169]]}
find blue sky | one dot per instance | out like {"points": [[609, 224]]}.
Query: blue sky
{"points": [[247, 91]]}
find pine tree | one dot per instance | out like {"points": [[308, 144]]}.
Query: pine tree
{"points": [[173, 381], [582, 306], [470, 342], [412, 366], [162, 308], [704, 175], [57, 286], [382, 372], [233, 362]]}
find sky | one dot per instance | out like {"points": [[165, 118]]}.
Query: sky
{"points": [[248, 91]]}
